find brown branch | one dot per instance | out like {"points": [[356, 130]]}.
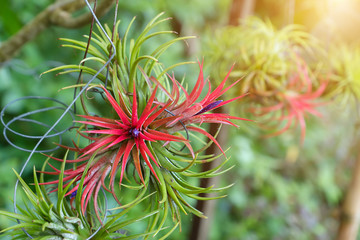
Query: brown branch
{"points": [[200, 227], [350, 216], [57, 14], [240, 9]]}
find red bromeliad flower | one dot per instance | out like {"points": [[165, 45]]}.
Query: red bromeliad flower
{"points": [[294, 103], [114, 141], [190, 111], [129, 134], [117, 140]]}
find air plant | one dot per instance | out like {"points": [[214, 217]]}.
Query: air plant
{"points": [[283, 86], [290, 105], [262, 54], [343, 73], [138, 136], [44, 218], [147, 115]]}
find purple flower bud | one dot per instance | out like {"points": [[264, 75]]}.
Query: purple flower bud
{"points": [[209, 107], [73, 195], [134, 132]]}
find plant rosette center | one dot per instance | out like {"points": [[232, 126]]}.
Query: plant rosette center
{"points": [[134, 132]]}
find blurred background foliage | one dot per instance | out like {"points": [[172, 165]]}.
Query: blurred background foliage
{"points": [[283, 189]]}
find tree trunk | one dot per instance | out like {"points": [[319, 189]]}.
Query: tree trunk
{"points": [[201, 227], [240, 9], [350, 216]]}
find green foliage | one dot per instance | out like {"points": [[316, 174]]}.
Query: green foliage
{"points": [[175, 185], [193, 15], [44, 218], [263, 56], [280, 190], [130, 63], [343, 73]]}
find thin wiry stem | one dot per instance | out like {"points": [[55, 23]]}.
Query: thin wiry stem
{"points": [[182, 124], [112, 38], [85, 54]]}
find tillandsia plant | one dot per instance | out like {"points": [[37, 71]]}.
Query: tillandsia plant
{"points": [[292, 102], [43, 218], [147, 137], [282, 85], [343, 73], [262, 54]]}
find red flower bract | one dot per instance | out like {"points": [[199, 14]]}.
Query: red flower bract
{"points": [[130, 132], [190, 111]]}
